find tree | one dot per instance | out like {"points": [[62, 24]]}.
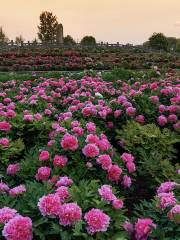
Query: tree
{"points": [[171, 43], [48, 27], [178, 45], [19, 40], [3, 37], [68, 40], [88, 41], [146, 44], [158, 41]]}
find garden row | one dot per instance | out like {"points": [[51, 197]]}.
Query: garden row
{"points": [[90, 159], [36, 60]]}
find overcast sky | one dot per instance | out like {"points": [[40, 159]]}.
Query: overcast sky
{"points": [[121, 21]]}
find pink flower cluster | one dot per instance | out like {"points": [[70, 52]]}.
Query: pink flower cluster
{"points": [[16, 227], [69, 214], [97, 221], [106, 194], [141, 229], [69, 142]]}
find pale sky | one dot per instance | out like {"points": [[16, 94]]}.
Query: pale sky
{"points": [[114, 21]]}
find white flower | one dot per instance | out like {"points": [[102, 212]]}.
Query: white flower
{"points": [[98, 95]]}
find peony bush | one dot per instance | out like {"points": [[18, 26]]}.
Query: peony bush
{"points": [[82, 159]]}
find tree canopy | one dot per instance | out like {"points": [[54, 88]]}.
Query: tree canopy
{"points": [[158, 41], [3, 37], [88, 41], [48, 27], [68, 40]]}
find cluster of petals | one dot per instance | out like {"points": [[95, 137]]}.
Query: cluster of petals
{"points": [[97, 221]]}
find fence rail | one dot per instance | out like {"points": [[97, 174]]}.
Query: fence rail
{"points": [[12, 45]]}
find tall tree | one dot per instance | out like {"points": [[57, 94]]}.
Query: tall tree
{"points": [[88, 41], [3, 37], [48, 27], [68, 40], [158, 41]]}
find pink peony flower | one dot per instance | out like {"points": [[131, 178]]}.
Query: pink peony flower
{"points": [[75, 124], [114, 173], [140, 119], [166, 200], [166, 187], [4, 142], [12, 169], [17, 191], [92, 139], [131, 167], [154, 99], [49, 205], [162, 108], [117, 204], [128, 227], [174, 213], [43, 174], [69, 142], [69, 214], [50, 143], [106, 193], [38, 116], [5, 126], [63, 193], [126, 157], [91, 127], [172, 118], [6, 214], [64, 181], [60, 161], [90, 150], [126, 181], [162, 120], [3, 187], [130, 111], [78, 131], [97, 221], [44, 156], [117, 113], [104, 145], [18, 228], [143, 228], [105, 161], [28, 117]]}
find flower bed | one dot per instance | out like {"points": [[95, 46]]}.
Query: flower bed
{"points": [[78, 156], [57, 60]]}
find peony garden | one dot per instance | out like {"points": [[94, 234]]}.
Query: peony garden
{"points": [[90, 156]]}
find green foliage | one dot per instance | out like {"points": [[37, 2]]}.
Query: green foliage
{"points": [[48, 27], [178, 45], [69, 41], [14, 151], [88, 41], [152, 148], [171, 43], [158, 41], [3, 37], [166, 229]]}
